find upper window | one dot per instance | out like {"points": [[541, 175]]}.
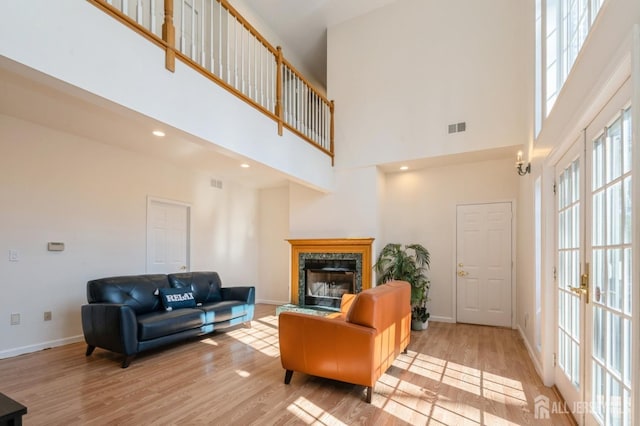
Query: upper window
{"points": [[561, 29]]}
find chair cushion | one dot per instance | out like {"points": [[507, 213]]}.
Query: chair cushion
{"points": [[162, 323]]}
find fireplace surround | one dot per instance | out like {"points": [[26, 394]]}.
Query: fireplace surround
{"points": [[323, 269]]}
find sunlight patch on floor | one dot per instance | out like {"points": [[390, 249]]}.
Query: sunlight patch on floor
{"points": [[262, 336], [415, 404], [310, 413]]}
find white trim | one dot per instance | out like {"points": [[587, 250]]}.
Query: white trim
{"points": [[534, 359], [451, 320], [272, 302], [9, 353]]}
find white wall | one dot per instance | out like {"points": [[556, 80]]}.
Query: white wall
{"points": [[351, 211], [402, 73], [273, 265], [79, 44], [93, 197], [420, 207]]}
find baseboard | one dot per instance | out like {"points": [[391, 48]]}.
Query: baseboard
{"points": [[436, 318], [9, 353], [532, 354], [271, 302]]}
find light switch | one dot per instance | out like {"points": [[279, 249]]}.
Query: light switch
{"points": [[14, 255]]}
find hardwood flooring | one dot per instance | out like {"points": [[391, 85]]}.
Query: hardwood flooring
{"points": [[453, 374]]}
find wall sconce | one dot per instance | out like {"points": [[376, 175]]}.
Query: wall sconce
{"points": [[519, 163]]}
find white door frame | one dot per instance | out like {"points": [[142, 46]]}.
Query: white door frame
{"points": [[151, 200], [454, 277]]}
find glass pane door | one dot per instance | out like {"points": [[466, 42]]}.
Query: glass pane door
{"points": [[570, 313], [611, 237]]}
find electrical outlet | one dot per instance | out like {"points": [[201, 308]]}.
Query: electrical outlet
{"points": [[47, 316], [14, 255], [15, 319]]}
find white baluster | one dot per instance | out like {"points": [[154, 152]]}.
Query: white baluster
{"points": [[139, 14]]}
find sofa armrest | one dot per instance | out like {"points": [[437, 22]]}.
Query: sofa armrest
{"points": [[110, 326], [245, 294], [329, 348]]}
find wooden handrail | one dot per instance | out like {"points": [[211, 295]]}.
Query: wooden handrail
{"points": [[248, 26], [168, 43], [305, 81]]}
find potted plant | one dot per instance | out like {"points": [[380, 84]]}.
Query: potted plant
{"points": [[407, 263]]}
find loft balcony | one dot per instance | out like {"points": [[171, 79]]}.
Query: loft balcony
{"points": [[113, 69]]}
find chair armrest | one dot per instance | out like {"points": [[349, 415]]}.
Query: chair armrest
{"points": [[328, 347], [110, 326], [246, 294]]}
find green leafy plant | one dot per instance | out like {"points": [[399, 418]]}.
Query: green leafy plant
{"points": [[407, 263]]}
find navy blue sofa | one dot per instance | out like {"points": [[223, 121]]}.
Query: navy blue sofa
{"points": [[127, 314]]}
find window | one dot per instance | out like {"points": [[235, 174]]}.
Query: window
{"points": [[561, 27]]}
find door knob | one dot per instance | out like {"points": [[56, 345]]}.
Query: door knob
{"points": [[462, 273], [183, 268]]}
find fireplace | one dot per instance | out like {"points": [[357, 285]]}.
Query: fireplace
{"points": [[325, 269], [326, 280]]}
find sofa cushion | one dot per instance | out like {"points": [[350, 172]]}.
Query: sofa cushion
{"points": [[177, 298], [205, 285], [224, 311], [162, 323], [135, 291]]}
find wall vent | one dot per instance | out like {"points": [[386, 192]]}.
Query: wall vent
{"points": [[216, 183], [457, 127]]}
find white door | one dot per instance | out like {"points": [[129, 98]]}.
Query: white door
{"points": [[167, 237], [594, 344], [484, 264]]}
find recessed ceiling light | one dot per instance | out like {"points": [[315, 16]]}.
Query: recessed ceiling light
{"points": [[158, 133], [245, 165], [403, 168]]}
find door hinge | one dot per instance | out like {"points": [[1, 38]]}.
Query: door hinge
{"points": [[555, 359], [555, 274], [554, 187]]}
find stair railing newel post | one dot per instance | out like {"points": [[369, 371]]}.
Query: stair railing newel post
{"points": [[279, 109], [169, 36], [331, 131]]}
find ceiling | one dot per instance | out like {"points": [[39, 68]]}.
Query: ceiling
{"points": [[38, 98], [302, 25]]}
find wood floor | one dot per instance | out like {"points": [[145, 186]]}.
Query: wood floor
{"points": [[453, 374]]}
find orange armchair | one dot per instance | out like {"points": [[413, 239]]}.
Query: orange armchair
{"points": [[356, 346]]}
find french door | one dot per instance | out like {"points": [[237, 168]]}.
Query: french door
{"points": [[594, 314]]}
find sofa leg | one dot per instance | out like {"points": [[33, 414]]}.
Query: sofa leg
{"points": [[287, 376], [369, 393], [247, 324], [127, 360], [89, 350], [406, 350]]}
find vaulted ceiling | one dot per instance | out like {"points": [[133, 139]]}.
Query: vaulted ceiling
{"points": [[302, 25]]}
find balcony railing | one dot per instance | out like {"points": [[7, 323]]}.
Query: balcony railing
{"points": [[214, 38]]}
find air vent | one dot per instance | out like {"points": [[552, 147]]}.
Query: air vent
{"points": [[215, 183], [458, 127]]}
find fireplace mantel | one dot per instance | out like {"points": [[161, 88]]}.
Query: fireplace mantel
{"points": [[360, 246]]}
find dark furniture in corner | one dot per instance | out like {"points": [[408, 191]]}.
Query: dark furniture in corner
{"points": [[126, 315], [11, 411]]}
